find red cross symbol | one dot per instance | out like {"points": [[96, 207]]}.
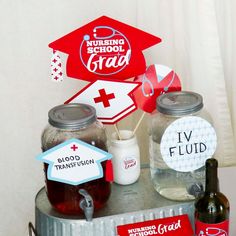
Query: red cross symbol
{"points": [[104, 98], [74, 147]]}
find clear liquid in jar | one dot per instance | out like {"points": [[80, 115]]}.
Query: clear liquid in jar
{"points": [[169, 183]]}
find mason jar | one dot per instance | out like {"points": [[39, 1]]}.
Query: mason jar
{"points": [[179, 146], [126, 157], [77, 121]]}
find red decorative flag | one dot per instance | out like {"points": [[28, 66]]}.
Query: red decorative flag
{"points": [[109, 171], [105, 48], [157, 79], [112, 100]]}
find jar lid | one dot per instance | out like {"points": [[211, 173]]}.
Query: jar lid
{"points": [[179, 103], [72, 116]]}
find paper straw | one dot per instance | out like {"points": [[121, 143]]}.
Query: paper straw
{"points": [[117, 131], [139, 122]]}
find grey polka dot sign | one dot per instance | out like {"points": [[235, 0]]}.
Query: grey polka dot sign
{"points": [[187, 143]]}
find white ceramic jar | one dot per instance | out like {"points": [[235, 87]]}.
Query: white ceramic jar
{"points": [[126, 157]]}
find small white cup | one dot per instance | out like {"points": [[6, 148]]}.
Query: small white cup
{"points": [[126, 157]]}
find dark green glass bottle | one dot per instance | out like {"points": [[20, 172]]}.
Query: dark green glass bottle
{"points": [[212, 208]]}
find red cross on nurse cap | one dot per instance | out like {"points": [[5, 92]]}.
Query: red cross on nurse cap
{"points": [[105, 48]]}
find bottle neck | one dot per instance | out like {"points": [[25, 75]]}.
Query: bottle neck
{"points": [[212, 183]]}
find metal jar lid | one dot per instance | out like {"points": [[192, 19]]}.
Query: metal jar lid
{"points": [[179, 103], [72, 116]]}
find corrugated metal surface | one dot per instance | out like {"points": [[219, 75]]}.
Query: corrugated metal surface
{"points": [[128, 204]]}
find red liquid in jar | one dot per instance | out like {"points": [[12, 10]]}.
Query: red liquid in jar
{"points": [[65, 198]]}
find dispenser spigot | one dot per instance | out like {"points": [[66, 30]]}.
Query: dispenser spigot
{"points": [[86, 204], [196, 189]]}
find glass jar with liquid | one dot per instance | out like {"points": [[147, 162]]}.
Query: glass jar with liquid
{"points": [[75, 121], [178, 145]]}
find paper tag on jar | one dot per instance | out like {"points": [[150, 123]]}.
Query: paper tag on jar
{"points": [[74, 162], [129, 163], [187, 143]]}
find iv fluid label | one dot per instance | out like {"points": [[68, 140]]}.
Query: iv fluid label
{"points": [[74, 162], [204, 229], [187, 143]]}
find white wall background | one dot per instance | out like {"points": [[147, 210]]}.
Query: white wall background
{"points": [[198, 42]]}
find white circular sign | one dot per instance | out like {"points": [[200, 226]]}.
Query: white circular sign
{"points": [[187, 143]]}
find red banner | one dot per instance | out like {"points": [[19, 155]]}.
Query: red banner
{"points": [[171, 226]]}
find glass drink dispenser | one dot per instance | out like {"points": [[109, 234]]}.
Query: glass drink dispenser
{"points": [[75, 121], [181, 139]]}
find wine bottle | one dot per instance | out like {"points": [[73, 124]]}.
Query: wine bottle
{"points": [[212, 208]]}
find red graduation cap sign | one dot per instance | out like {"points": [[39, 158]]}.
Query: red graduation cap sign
{"points": [[112, 99], [157, 79], [105, 48]]}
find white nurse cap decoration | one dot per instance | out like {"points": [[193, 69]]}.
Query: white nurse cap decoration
{"points": [[113, 100]]}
